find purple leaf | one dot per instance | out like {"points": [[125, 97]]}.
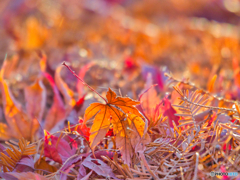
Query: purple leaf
{"points": [[22, 176], [25, 164], [102, 169]]}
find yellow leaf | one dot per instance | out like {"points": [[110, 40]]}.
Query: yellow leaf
{"points": [[138, 123]]}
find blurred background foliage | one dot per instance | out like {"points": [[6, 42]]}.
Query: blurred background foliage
{"points": [[194, 40]]}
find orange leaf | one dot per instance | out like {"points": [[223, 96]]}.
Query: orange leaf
{"points": [[211, 83], [4, 131], [136, 139], [113, 112], [17, 119], [36, 34]]}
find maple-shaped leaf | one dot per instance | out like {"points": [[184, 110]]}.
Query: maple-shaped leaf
{"points": [[111, 112]]}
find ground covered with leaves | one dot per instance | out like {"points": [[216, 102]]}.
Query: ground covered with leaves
{"points": [[117, 89]]}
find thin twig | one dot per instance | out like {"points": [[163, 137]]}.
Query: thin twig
{"points": [[83, 82]]}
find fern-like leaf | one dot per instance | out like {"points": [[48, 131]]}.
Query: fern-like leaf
{"points": [[14, 155], [193, 107]]}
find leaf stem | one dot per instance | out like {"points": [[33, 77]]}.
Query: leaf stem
{"points": [[83, 81]]}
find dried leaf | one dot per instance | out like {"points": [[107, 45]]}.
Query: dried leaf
{"points": [[43, 165], [223, 118], [125, 146], [13, 156]]}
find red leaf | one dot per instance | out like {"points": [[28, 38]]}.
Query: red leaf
{"points": [[129, 63], [59, 154], [79, 103], [166, 109], [52, 153], [83, 130], [110, 132]]}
